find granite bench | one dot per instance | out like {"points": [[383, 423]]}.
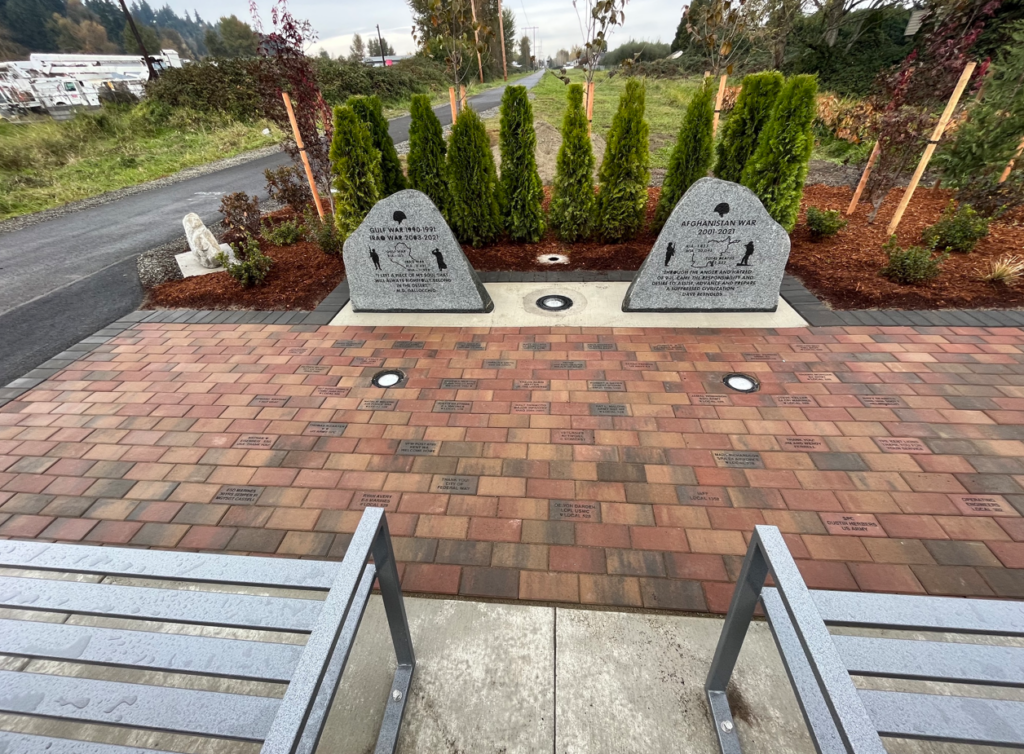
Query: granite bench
{"points": [[81, 583], [821, 665]]}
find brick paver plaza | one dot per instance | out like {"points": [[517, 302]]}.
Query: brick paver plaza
{"points": [[598, 466]]}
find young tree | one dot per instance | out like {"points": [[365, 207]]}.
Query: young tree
{"points": [[691, 156], [474, 213], [446, 31], [596, 17], [721, 29], [355, 163], [521, 189], [625, 169], [573, 200], [748, 118], [427, 171], [370, 111], [778, 169], [357, 50]]}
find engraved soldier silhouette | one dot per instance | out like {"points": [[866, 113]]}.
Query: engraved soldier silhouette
{"points": [[376, 259], [669, 253], [440, 259], [748, 251]]}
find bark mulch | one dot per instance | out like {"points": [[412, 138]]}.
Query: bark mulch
{"points": [[301, 278], [843, 270]]}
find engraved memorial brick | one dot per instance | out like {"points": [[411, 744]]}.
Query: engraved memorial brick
{"points": [[572, 436], [236, 495], [608, 409], [599, 347], [348, 344], [378, 404], [499, 364], [852, 524], [738, 459], [458, 384], [574, 510], [535, 346], [611, 386], [271, 401], [325, 429], [386, 500], [902, 445], [531, 384], [453, 407], [418, 447], [531, 408], [469, 345], [455, 485], [331, 392], [568, 365], [260, 442], [983, 505]]}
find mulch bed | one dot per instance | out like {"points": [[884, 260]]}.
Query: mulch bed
{"points": [[301, 278], [843, 270]]}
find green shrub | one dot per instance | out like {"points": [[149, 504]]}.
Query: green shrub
{"points": [[370, 111], [625, 169], [522, 192], [282, 234], [778, 168], [323, 233], [959, 230], [289, 186], [355, 163], [913, 265], [691, 156], [748, 118], [254, 267], [427, 172], [572, 199], [824, 223], [222, 85], [474, 214]]}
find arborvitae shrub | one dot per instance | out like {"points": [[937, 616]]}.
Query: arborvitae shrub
{"points": [[625, 169], [691, 156], [778, 169], [355, 163], [474, 214], [521, 189], [427, 172], [573, 200], [749, 116], [370, 111]]}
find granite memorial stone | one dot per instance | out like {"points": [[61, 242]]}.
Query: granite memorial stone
{"points": [[720, 251], [404, 258]]}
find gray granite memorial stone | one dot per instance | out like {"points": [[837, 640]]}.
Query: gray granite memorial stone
{"points": [[404, 258], [720, 251]]}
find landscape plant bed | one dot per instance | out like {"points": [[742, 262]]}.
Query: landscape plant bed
{"points": [[843, 270], [301, 278]]}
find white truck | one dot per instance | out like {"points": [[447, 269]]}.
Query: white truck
{"points": [[57, 84]]}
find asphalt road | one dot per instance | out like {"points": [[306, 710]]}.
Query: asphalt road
{"points": [[65, 278]]}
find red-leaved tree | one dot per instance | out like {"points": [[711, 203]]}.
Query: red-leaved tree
{"points": [[287, 68]]}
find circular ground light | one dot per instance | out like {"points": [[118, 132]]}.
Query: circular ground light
{"points": [[388, 378], [742, 383], [553, 259], [552, 303]]}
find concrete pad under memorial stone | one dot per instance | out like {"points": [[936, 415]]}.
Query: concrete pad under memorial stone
{"points": [[405, 258], [720, 251]]}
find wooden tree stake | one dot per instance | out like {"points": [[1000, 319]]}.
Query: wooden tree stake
{"points": [[864, 178], [302, 153], [1009, 166], [451, 97], [476, 36], [462, 100], [932, 144], [718, 103]]}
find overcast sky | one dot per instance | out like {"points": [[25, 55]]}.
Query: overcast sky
{"points": [[336, 21]]}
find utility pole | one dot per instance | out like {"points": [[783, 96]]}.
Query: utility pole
{"points": [[138, 38], [380, 41], [501, 30], [533, 47]]}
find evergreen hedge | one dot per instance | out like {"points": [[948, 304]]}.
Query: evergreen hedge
{"points": [[777, 170], [370, 111], [427, 172], [691, 156], [355, 163], [573, 200], [521, 189], [474, 214], [625, 169], [749, 116]]}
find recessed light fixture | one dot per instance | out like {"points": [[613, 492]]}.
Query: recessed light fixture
{"points": [[742, 383], [553, 259], [554, 303], [388, 378]]}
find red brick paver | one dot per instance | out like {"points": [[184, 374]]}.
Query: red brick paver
{"points": [[891, 458]]}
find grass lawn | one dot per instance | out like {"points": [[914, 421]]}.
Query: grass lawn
{"points": [[473, 86], [47, 163], [665, 106]]}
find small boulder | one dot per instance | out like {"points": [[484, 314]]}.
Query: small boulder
{"points": [[201, 241]]}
